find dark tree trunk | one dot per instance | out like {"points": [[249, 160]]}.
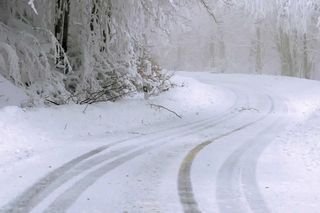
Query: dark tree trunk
{"points": [[62, 22]]}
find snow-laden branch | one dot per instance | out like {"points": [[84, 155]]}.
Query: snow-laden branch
{"points": [[287, 13], [209, 10], [31, 3]]}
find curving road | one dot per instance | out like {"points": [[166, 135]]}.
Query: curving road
{"points": [[207, 165]]}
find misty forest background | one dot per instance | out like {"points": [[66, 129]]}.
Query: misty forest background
{"points": [[86, 51]]}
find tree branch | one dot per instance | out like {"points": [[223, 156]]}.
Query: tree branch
{"points": [[206, 6], [169, 110]]}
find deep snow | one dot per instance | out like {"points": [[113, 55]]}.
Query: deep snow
{"points": [[10, 95], [36, 141]]}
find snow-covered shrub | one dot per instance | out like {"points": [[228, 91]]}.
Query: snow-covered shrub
{"points": [[154, 79]]}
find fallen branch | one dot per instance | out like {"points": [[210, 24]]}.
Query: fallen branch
{"points": [[106, 100], [169, 110], [248, 109], [53, 102], [206, 6]]}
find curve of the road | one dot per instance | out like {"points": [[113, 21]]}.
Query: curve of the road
{"points": [[59, 190]]}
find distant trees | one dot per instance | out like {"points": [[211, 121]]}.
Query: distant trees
{"points": [[276, 37], [292, 26]]}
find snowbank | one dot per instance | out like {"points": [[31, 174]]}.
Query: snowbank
{"points": [[10, 95], [24, 132], [295, 155], [301, 94]]}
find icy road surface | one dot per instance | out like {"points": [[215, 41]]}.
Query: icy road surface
{"points": [[244, 144]]}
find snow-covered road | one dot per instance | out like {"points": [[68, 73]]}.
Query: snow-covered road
{"points": [[233, 151]]}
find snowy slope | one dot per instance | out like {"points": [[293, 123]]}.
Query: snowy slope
{"points": [[244, 143], [24, 131], [10, 95], [289, 170]]}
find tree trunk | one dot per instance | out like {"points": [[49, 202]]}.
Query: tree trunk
{"points": [[284, 49], [62, 22], [306, 62], [258, 51]]}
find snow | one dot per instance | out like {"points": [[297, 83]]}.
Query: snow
{"points": [[31, 3], [298, 170], [23, 130], [10, 94], [148, 145]]}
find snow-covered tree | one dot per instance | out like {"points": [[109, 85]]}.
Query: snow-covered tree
{"points": [[90, 50], [277, 36], [97, 50]]}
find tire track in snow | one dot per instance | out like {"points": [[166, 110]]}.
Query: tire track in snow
{"points": [[27, 197], [249, 164], [229, 191], [185, 188], [42, 188], [247, 168], [65, 200]]}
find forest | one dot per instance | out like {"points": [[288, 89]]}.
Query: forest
{"points": [[87, 51]]}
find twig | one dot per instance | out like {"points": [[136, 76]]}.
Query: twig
{"points": [[106, 100], [206, 6], [160, 106], [248, 109], [65, 127], [53, 102]]}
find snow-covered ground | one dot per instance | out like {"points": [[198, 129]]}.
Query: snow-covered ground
{"points": [[244, 143], [10, 95]]}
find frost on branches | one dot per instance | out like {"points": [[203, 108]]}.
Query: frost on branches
{"points": [[279, 37], [290, 28], [86, 51], [97, 50], [31, 3]]}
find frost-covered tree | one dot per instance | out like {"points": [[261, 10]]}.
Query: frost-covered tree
{"points": [[97, 50], [89, 50], [259, 36]]}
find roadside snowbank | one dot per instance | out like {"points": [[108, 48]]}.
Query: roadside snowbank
{"points": [[25, 132], [301, 94], [10, 94]]}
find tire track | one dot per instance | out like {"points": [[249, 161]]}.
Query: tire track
{"points": [[237, 176], [66, 199], [185, 189], [42, 188], [229, 193], [249, 164], [246, 171], [28, 196]]}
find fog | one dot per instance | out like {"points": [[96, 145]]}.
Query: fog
{"points": [[277, 37], [66, 48]]}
